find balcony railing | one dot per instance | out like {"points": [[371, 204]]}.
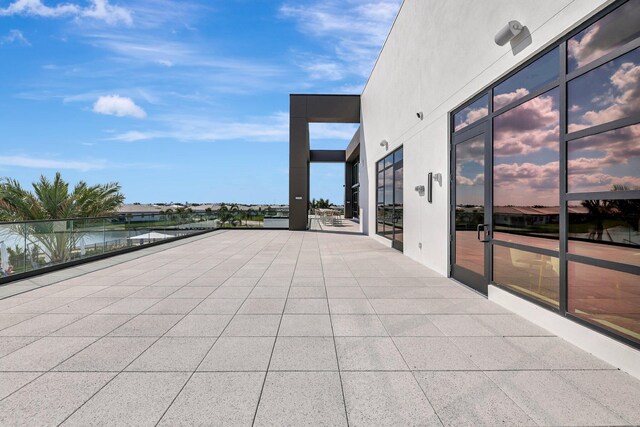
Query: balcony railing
{"points": [[28, 247]]}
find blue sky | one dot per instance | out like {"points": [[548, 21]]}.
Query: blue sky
{"points": [[178, 100]]}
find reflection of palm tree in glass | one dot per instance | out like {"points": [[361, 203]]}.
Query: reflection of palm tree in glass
{"points": [[600, 210], [629, 209]]}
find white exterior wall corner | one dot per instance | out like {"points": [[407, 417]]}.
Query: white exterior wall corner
{"points": [[438, 54]]}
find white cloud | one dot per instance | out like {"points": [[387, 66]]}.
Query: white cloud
{"points": [[100, 10], [150, 49], [193, 128], [116, 105], [37, 8], [14, 36], [36, 163], [103, 11], [356, 29], [350, 88], [325, 131], [133, 136], [274, 128], [324, 70]]}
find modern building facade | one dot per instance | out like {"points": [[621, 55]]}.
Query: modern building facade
{"points": [[514, 168]]}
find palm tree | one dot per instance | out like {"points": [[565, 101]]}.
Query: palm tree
{"points": [[52, 200], [223, 214], [236, 215]]}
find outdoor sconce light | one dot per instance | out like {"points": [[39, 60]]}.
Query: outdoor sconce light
{"points": [[508, 32], [420, 189], [420, 115], [437, 177], [384, 143]]}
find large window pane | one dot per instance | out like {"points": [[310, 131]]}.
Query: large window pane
{"points": [[612, 31], [607, 298], [470, 203], [388, 202], [525, 173], [380, 219], [527, 80], [380, 199], [388, 161], [471, 114], [397, 156], [608, 161], [608, 93], [528, 273], [605, 229]]}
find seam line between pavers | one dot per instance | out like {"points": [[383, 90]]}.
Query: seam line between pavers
{"points": [[264, 381], [333, 334], [258, 239], [144, 351], [400, 353], [118, 299], [225, 327], [151, 344]]}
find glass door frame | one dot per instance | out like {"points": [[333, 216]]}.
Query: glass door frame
{"points": [[460, 273], [393, 167]]}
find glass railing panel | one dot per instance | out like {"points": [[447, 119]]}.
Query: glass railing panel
{"points": [[13, 250], [33, 245], [87, 238]]}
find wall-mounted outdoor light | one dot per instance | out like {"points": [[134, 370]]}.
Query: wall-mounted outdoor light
{"points": [[420, 189], [508, 32], [384, 143], [437, 177]]}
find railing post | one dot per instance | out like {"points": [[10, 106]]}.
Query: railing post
{"points": [[72, 241], [104, 237], [24, 231]]}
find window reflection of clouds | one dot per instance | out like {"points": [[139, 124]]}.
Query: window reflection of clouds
{"points": [[470, 171], [612, 31], [471, 114], [598, 162], [526, 156], [388, 186], [540, 72], [607, 93]]}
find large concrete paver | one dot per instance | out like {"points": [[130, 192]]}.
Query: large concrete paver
{"points": [[260, 327]]}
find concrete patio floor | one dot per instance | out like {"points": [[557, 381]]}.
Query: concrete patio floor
{"points": [[288, 328]]}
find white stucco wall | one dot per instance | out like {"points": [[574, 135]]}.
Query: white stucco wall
{"points": [[440, 53]]}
